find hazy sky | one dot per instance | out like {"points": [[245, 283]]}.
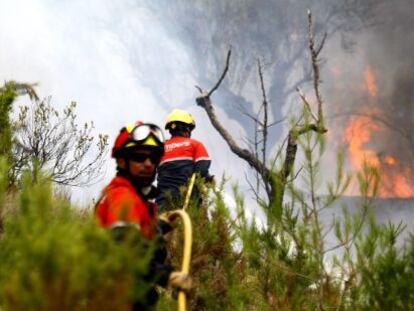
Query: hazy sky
{"points": [[81, 50]]}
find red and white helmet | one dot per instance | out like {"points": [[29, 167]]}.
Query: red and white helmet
{"points": [[138, 135]]}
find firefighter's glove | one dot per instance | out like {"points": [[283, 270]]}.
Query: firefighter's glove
{"points": [[181, 281], [164, 226], [166, 223]]}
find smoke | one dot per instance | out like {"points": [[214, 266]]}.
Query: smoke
{"points": [[126, 60], [384, 51], [397, 44], [74, 49], [117, 60], [364, 37]]}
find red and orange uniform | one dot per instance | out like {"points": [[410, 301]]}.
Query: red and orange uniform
{"points": [[182, 157], [120, 204]]}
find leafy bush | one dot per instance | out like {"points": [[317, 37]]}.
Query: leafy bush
{"points": [[287, 265], [55, 257]]}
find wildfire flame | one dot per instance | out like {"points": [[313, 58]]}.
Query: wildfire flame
{"points": [[370, 81], [359, 133], [390, 160], [394, 182]]}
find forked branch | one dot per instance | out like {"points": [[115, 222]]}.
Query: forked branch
{"points": [[274, 181]]}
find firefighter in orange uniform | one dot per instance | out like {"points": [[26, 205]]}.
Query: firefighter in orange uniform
{"points": [[128, 201], [183, 156]]}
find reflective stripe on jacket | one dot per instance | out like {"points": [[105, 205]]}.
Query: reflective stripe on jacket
{"points": [[182, 157], [120, 202]]}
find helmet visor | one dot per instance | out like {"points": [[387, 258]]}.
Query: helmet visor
{"points": [[141, 133]]}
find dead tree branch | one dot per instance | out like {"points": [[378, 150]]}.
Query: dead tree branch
{"points": [[265, 119], [205, 102], [274, 181], [315, 51], [265, 111], [222, 75]]}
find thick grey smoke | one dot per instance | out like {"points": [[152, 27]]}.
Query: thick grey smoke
{"points": [[394, 59], [374, 36], [386, 49], [123, 60]]}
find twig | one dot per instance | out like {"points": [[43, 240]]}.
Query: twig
{"points": [[315, 65], [264, 104], [276, 122], [306, 103], [255, 193], [199, 89], [222, 75], [296, 175], [319, 49], [254, 119]]}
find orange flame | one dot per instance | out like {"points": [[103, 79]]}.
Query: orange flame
{"points": [[394, 182], [357, 134], [398, 185], [390, 160], [370, 81]]}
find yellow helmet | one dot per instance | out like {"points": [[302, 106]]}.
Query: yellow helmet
{"points": [[178, 115]]}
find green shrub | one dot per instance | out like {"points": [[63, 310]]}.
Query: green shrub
{"points": [[55, 257], [286, 265]]}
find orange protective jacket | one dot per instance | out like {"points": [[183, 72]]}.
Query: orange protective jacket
{"points": [[183, 156], [120, 202]]}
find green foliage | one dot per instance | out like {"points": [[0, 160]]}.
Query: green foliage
{"points": [[216, 268], [3, 180], [55, 257], [382, 272], [287, 264], [52, 140], [7, 96]]}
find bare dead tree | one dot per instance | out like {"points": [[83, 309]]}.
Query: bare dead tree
{"points": [[56, 144], [275, 181], [261, 128]]}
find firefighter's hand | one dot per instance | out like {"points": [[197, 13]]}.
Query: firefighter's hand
{"points": [[164, 226], [166, 222], [181, 281], [170, 218]]}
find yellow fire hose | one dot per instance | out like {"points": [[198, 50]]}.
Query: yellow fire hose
{"points": [[189, 191], [188, 239]]}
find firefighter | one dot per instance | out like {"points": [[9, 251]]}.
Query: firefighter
{"points": [[127, 202], [183, 156]]}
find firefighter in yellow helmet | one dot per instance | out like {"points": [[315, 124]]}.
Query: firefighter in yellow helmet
{"points": [[182, 157]]}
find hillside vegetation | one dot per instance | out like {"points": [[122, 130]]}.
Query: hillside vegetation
{"points": [[54, 256]]}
